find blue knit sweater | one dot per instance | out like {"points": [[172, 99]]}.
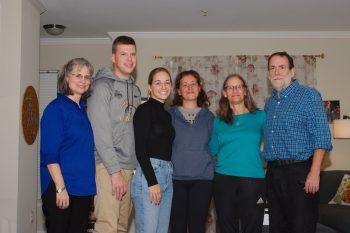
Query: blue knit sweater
{"points": [[191, 155]]}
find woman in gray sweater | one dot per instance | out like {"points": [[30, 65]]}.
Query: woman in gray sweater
{"points": [[193, 166]]}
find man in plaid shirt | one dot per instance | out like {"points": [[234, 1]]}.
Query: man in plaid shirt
{"points": [[296, 137]]}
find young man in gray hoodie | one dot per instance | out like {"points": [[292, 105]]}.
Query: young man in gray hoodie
{"points": [[111, 108]]}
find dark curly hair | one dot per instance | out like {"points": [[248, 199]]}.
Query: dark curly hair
{"points": [[224, 111], [202, 100]]}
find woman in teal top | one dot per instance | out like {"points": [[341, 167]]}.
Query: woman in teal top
{"points": [[239, 179]]}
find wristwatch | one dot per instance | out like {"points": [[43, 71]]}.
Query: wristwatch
{"points": [[60, 190]]}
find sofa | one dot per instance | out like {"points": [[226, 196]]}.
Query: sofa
{"points": [[334, 216]]}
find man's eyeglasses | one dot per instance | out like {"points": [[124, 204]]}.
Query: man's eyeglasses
{"points": [[234, 88]]}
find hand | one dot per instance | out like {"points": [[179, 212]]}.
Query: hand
{"points": [[312, 182], [62, 199], [119, 187], [154, 194]]}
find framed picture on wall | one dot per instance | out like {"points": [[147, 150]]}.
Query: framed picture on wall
{"points": [[332, 109]]}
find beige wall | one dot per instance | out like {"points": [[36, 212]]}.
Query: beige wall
{"points": [[9, 100], [53, 57], [332, 75], [19, 64], [28, 155]]}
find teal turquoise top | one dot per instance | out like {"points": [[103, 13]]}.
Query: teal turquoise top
{"points": [[237, 146]]}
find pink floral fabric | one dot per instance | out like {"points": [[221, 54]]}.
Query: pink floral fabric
{"points": [[253, 68]]}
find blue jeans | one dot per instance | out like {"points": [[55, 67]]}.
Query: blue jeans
{"points": [[151, 218]]}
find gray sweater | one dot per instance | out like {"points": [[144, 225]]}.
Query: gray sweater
{"points": [[191, 155], [110, 109]]}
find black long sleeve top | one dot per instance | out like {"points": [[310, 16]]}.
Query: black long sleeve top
{"points": [[154, 136]]}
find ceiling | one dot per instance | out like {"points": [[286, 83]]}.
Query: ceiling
{"points": [[95, 18]]}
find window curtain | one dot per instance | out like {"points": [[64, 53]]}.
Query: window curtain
{"points": [[212, 69], [253, 68]]}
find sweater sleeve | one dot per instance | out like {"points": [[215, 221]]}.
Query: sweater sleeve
{"points": [[99, 116], [210, 122], [214, 141], [142, 125]]}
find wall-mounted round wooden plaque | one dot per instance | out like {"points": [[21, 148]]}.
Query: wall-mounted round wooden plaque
{"points": [[30, 115]]}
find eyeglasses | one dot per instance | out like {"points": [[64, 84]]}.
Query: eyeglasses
{"points": [[234, 88], [81, 77]]}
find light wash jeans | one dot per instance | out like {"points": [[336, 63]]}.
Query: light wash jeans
{"points": [[151, 218]]}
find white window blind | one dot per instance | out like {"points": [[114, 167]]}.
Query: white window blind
{"points": [[47, 93]]}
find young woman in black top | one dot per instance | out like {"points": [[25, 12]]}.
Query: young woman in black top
{"points": [[151, 188]]}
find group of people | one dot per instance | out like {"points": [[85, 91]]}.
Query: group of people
{"points": [[168, 164]]}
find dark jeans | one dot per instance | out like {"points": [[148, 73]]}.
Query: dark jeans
{"points": [[191, 200], [291, 210], [239, 198], [71, 220]]}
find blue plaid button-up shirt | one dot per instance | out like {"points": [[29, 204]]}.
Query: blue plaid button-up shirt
{"points": [[296, 124]]}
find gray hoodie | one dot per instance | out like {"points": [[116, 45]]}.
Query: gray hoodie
{"points": [[111, 107]]}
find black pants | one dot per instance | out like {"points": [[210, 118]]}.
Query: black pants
{"points": [[291, 209], [239, 198], [71, 220], [191, 200]]}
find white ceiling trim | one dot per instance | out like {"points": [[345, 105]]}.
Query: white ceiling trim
{"points": [[203, 35], [236, 34], [63, 41]]}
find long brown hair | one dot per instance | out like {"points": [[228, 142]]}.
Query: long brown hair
{"points": [[224, 111], [202, 99]]}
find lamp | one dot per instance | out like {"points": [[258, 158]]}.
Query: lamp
{"points": [[341, 128], [54, 29]]}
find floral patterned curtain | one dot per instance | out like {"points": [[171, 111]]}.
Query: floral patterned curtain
{"points": [[214, 69], [253, 68]]}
